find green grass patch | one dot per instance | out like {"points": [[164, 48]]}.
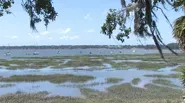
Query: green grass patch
{"points": [[38, 98], [140, 65], [164, 82], [6, 85], [123, 93], [164, 76], [58, 78], [54, 62], [180, 68], [135, 81], [83, 61], [82, 85], [78, 61], [114, 80]]}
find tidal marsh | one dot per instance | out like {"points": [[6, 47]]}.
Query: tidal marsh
{"points": [[123, 93], [164, 82], [57, 78], [58, 62], [52, 71]]}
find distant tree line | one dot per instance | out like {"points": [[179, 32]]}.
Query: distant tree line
{"points": [[171, 45]]}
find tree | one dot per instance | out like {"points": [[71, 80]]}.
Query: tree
{"points": [[144, 21], [38, 10]]}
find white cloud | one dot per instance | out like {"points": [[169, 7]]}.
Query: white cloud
{"points": [[87, 17], [66, 31], [69, 37], [11, 37], [44, 33], [91, 31]]}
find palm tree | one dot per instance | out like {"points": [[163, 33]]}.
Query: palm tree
{"points": [[179, 26], [179, 31]]}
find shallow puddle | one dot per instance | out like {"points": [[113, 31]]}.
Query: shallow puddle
{"points": [[36, 87]]}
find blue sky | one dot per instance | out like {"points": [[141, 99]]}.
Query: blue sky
{"points": [[78, 23]]}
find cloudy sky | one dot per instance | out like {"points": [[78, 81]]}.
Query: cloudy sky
{"points": [[78, 23]]}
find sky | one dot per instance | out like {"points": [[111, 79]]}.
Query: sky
{"points": [[78, 23]]}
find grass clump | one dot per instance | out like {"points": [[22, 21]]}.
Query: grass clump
{"points": [[164, 76], [6, 85], [82, 85], [180, 68], [114, 80], [164, 82], [38, 98], [135, 81], [83, 61], [126, 93], [32, 64], [140, 65], [58, 78], [123, 93]]}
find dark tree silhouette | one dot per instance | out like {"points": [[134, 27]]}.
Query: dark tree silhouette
{"points": [[38, 10], [144, 21]]}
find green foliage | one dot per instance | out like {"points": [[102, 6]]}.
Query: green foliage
{"points": [[144, 20], [183, 77], [4, 6], [179, 31], [113, 20], [38, 10]]}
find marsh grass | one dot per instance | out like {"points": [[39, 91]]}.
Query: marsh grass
{"points": [[79, 61], [23, 64], [58, 78], [82, 85], [135, 81], [83, 61], [6, 85], [123, 93], [38, 98], [54, 62], [179, 68], [164, 82], [114, 80], [164, 76], [140, 65]]}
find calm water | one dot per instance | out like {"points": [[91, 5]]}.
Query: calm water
{"points": [[74, 52]]}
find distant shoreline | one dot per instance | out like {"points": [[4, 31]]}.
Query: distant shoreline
{"points": [[172, 46]]}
